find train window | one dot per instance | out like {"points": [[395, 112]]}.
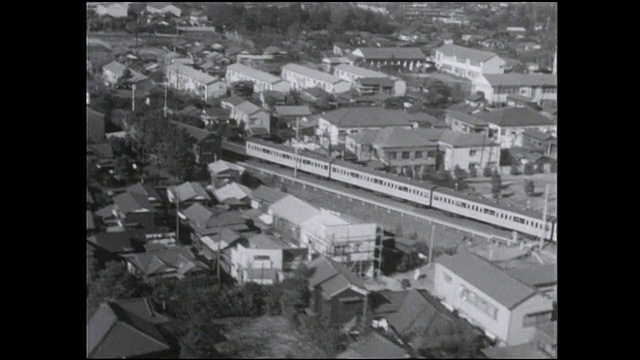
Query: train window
{"points": [[489, 211], [463, 205], [403, 188], [518, 220], [436, 197]]}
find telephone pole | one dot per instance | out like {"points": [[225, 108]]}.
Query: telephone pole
{"points": [[544, 216], [177, 201], [219, 250], [295, 169], [433, 228], [165, 99], [133, 97]]}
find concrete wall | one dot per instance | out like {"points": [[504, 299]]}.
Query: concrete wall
{"points": [[495, 65], [518, 333], [463, 156]]}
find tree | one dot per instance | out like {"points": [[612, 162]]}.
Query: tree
{"points": [[473, 172], [529, 168], [496, 185], [540, 168], [459, 173], [514, 170], [529, 187]]}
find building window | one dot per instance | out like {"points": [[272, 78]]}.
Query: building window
{"points": [[472, 152], [536, 319], [392, 156], [503, 132], [418, 154], [405, 154]]}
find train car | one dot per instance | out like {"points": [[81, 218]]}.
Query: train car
{"points": [[484, 210], [408, 189], [286, 156]]}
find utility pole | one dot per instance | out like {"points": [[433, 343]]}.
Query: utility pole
{"points": [[544, 216], [165, 99], [433, 228], [177, 201], [295, 169], [219, 250], [133, 97]]}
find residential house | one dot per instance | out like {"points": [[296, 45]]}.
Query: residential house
{"points": [[329, 63], [334, 126], [537, 141], [163, 8], [536, 87], [114, 10], [134, 320], [341, 49], [408, 57], [207, 145], [466, 123], [154, 238], [289, 213], [302, 77], [352, 74], [341, 238], [425, 120], [466, 62], [251, 116], [95, 126], [290, 114], [146, 190], [222, 171], [175, 262], [234, 195], [507, 125], [374, 346], [542, 277], [402, 150], [194, 83], [468, 151], [486, 296], [111, 246], [113, 72], [231, 103], [134, 210], [269, 99], [338, 295], [259, 259], [187, 194], [263, 197], [261, 80], [214, 229]]}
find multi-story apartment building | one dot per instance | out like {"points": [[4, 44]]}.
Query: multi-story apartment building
{"points": [[302, 77], [352, 73], [467, 63], [195, 83], [408, 58], [262, 81], [486, 296], [535, 87]]}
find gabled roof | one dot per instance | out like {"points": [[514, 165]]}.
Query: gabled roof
{"points": [[115, 67], [374, 346], [333, 277], [254, 74], [537, 134], [461, 140], [192, 73], [248, 108], [116, 330], [536, 275], [131, 202], [359, 71], [117, 242], [285, 110], [103, 150], [407, 53], [513, 79], [293, 209], [366, 117], [262, 241], [221, 166], [391, 137], [268, 194], [190, 190], [232, 191], [198, 215], [312, 73], [179, 259], [144, 189], [196, 133], [234, 100], [466, 118], [515, 117], [463, 53], [375, 81], [489, 279]]}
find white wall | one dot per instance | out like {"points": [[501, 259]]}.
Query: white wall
{"points": [[518, 333], [462, 156], [495, 65]]}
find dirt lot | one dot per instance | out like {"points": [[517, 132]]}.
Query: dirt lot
{"points": [[267, 337], [515, 185]]}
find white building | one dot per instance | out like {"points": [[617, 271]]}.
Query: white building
{"points": [[408, 58], [261, 80], [302, 77], [507, 126], [115, 10], [352, 73], [535, 87], [194, 82], [260, 260], [466, 62], [163, 8]]}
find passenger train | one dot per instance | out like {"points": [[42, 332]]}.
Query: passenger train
{"points": [[416, 191]]}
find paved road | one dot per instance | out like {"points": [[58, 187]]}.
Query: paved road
{"points": [[430, 215]]}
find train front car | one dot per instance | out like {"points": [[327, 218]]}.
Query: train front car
{"points": [[490, 212], [406, 189]]}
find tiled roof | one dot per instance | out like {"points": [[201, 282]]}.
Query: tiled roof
{"points": [[514, 117], [255, 74], [374, 346], [198, 215], [221, 166], [192, 73], [293, 209], [268, 194], [141, 307], [463, 53], [130, 202], [234, 100], [359, 71], [144, 189], [332, 277], [115, 67], [115, 331], [248, 108], [422, 117], [466, 118], [462, 140], [312, 73], [369, 81], [284, 110], [489, 279], [196, 133], [160, 261], [117, 242], [390, 52], [537, 134], [232, 190], [262, 241], [399, 137], [537, 275], [366, 117], [513, 79], [190, 190]]}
